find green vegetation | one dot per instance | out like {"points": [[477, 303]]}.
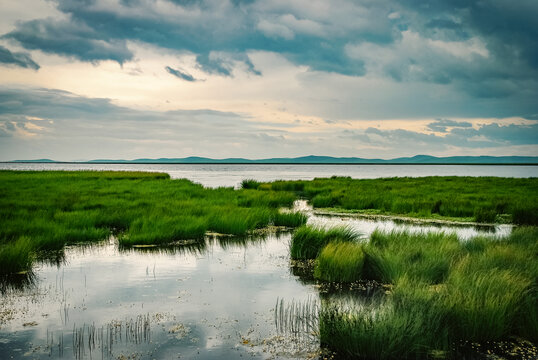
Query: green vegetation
{"points": [[340, 261], [307, 241], [250, 184], [443, 291], [46, 210], [482, 199]]}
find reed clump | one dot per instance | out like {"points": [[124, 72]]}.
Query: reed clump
{"points": [[340, 261], [308, 241], [443, 291]]}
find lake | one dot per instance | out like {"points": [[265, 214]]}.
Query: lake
{"points": [[214, 175]]}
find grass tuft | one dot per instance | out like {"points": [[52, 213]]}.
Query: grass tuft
{"points": [[290, 219], [307, 241], [340, 262]]}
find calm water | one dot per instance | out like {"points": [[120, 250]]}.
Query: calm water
{"points": [[231, 175], [209, 302]]}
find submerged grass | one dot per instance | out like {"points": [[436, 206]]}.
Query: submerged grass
{"points": [[481, 199], [443, 291], [44, 210]]}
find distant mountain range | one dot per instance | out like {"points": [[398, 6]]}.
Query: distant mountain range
{"points": [[312, 159]]}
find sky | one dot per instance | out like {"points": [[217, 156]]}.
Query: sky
{"points": [[127, 79]]}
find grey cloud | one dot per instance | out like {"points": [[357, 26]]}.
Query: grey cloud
{"points": [[73, 115], [102, 33], [180, 74], [317, 35], [511, 134], [6, 129], [461, 134], [71, 39], [440, 125], [17, 59]]}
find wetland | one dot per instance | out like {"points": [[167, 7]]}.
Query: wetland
{"points": [[136, 265]]}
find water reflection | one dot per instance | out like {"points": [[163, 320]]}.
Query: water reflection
{"points": [[209, 299], [365, 225]]}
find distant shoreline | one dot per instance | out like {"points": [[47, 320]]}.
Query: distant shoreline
{"points": [[260, 163]]}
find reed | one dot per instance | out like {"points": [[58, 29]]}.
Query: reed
{"points": [[53, 208], [340, 262], [308, 241], [482, 199], [478, 291]]}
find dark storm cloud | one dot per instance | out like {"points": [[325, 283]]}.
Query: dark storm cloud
{"points": [[209, 27], [180, 74], [480, 49], [509, 28], [17, 59]]}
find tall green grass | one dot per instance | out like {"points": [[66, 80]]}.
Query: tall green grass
{"points": [[51, 209], [308, 241], [16, 256], [382, 329], [421, 257], [340, 261], [289, 219], [482, 199], [443, 291]]}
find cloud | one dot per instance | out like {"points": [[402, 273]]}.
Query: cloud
{"points": [[441, 42], [70, 38], [102, 29], [441, 125], [460, 134], [94, 127], [17, 59], [509, 134], [180, 74]]}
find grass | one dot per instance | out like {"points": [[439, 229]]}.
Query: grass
{"points": [[482, 199], [250, 184], [340, 261], [16, 256], [290, 219], [307, 241], [45, 210], [443, 291], [383, 329]]}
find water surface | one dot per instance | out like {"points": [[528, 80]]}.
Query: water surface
{"points": [[213, 300], [214, 175]]}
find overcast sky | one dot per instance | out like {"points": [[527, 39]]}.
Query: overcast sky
{"points": [[126, 79]]}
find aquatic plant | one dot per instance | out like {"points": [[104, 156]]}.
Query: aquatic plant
{"points": [[478, 291], [307, 241], [340, 261], [16, 256], [250, 184], [289, 219], [54, 208], [482, 199], [382, 329]]}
